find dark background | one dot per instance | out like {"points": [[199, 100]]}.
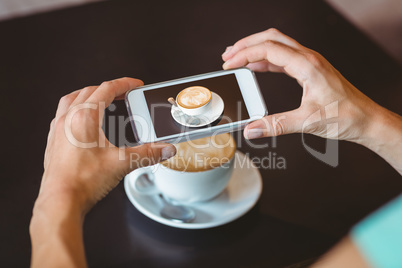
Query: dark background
{"points": [[303, 210], [225, 86]]}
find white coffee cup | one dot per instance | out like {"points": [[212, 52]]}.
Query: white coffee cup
{"points": [[188, 187], [197, 183], [194, 108]]}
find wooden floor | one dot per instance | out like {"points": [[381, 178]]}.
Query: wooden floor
{"points": [[381, 19]]}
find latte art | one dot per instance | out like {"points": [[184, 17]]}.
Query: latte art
{"points": [[202, 154], [194, 97]]}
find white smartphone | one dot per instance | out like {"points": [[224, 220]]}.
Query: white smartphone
{"points": [[233, 99]]}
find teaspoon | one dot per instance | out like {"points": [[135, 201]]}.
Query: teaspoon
{"points": [[191, 120], [177, 213]]}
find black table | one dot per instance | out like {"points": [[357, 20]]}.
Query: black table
{"points": [[304, 209]]}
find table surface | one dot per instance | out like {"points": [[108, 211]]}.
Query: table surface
{"points": [[303, 210]]}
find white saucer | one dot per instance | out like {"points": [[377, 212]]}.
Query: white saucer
{"points": [[241, 194], [214, 112]]}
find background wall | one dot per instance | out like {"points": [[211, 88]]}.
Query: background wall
{"points": [[16, 8], [380, 19]]}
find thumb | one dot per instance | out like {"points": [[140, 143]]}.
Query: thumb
{"points": [[148, 154], [275, 125]]}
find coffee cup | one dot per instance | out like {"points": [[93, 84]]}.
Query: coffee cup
{"points": [[194, 100], [199, 172]]}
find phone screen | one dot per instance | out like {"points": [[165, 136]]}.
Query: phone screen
{"points": [[225, 86]]}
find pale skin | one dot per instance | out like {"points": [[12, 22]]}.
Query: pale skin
{"points": [[76, 178], [359, 118]]}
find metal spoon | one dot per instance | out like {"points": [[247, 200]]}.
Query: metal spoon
{"points": [[191, 120], [177, 213], [172, 101]]}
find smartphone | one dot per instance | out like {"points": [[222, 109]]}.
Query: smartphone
{"points": [[230, 99]]}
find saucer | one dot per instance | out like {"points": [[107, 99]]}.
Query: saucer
{"points": [[240, 195], [214, 112]]}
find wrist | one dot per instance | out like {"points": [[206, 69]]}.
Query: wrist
{"points": [[56, 232], [55, 208], [384, 129], [62, 189], [384, 136]]}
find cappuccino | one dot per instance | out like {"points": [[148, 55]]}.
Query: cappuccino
{"points": [[202, 154], [193, 97]]}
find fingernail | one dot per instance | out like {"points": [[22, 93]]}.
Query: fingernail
{"points": [[226, 65], [227, 50], [254, 133], [167, 152]]}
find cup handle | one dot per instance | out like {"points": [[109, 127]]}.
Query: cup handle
{"points": [[143, 183]]}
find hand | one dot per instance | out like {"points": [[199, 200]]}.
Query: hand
{"points": [[80, 163], [345, 254], [327, 96]]}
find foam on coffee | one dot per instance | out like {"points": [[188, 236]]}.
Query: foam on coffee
{"points": [[193, 97], [202, 154]]}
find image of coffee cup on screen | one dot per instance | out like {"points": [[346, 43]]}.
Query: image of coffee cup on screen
{"points": [[196, 106], [185, 107]]}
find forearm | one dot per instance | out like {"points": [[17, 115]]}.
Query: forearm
{"points": [[56, 234], [384, 136], [345, 254], [375, 240]]}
